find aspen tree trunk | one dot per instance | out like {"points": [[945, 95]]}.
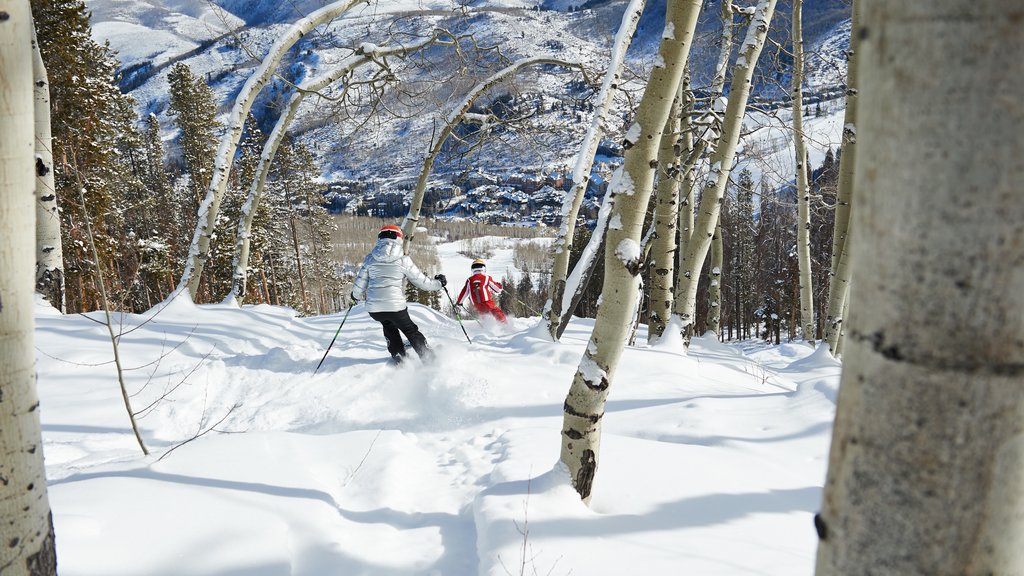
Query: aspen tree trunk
{"points": [[49, 247], [717, 86], [926, 469], [363, 55], [27, 547], [695, 151], [584, 405], [685, 225], [456, 114], [803, 189], [580, 275], [199, 251], [721, 164], [558, 301], [666, 217], [839, 279], [715, 284]]}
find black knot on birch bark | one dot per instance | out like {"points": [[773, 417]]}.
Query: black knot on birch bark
{"points": [[820, 527], [600, 386], [585, 475], [4, 16], [41, 168]]}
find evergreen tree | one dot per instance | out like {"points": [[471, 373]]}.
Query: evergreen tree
{"points": [[93, 125], [195, 114], [742, 267]]}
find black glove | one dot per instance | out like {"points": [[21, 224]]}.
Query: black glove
{"points": [[352, 300], [440, 278]]}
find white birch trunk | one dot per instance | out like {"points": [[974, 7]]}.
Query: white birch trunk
{"points": [[685, 217], [579, 276], [803, 189], [666, 217], [695, 152], [839, 278], [456, 114], [364, 55], [210, 207], [721, 164], [715, 283], [926, 470], [584, 405], [557, 301], [49, 247], [27, 547]]}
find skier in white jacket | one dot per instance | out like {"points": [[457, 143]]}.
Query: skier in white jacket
{"points": [[380, 282]]}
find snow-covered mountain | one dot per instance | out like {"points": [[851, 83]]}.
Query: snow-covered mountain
{"points": [[222, 40]]}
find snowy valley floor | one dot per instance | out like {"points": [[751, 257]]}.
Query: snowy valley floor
{"points": [[711, 464]]}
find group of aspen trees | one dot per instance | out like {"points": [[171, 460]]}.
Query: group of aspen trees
{"points": [[926, 470]]}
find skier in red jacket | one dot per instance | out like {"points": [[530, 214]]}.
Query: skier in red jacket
{"points": [[482, 289]]}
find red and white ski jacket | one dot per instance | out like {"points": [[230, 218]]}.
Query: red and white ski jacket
{"points": [[481, 288]]}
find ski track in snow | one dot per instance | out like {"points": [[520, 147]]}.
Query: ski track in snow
{"points": [[432, 468]]}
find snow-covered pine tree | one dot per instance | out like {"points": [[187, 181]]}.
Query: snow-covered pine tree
{"points": [[195, 114], [90, 121]]}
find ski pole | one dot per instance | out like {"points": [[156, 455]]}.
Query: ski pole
{"points": [[457, 317], [527, 306], [338, 331]]}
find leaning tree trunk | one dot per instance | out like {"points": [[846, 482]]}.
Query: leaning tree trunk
{"points": [[49, 248], [363, 55], [452, 119], [557, 294], [199, 251], [803, 189], [721, 165], [839, 279], [584, 405], [27, 547], [926, 470]]}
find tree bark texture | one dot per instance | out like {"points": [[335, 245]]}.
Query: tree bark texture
{"points": [[839, 279], [27, 547], [926, 470], [199, 251], [666, 219], [49, 247], [803, 189], [715, 282], [584, 405], [721, 164], [557, 301]]}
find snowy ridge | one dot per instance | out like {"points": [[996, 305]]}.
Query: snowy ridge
{"points": [[711, 463], [582, 35]]}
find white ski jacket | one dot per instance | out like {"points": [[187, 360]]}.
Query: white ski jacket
{"points": [[380, 281]]}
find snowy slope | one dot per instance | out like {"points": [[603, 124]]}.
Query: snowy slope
{"points": [[712, 463]]}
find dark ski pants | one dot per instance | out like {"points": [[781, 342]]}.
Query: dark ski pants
{"points": [[397, 323]]}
